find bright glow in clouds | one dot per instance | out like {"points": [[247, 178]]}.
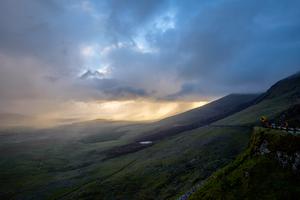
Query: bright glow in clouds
{"points": [[161, 24], [166, 21], [106, 70], [88, 51], [132, 110], [129, 110]]}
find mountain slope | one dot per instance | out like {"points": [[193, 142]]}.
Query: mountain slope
{"points": [[279, 97], [284, 86], [215, 110], [198, 117], [185, 177], [268, 169], [186, 121]]}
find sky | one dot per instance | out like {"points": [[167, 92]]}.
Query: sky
{"points": [[140, 59]]}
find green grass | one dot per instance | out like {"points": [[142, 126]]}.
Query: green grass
{"points": [[269, 107], [168, 168], [47, 169], [40, 164], [253, 176]]}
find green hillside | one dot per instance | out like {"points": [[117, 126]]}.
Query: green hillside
{"points": [[277, 99], [268, 169], [198, 117], [168, 168], [72, 162], [148, 178], [215, 110]]}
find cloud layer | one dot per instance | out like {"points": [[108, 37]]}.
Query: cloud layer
{"points": [[170, 49]]}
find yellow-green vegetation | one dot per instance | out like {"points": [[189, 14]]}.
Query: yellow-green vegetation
{"points": [[267, 169]]}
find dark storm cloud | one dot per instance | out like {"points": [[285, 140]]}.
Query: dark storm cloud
{"points": [[239, 45], [221, 46], [126, 16], [159, 49]]}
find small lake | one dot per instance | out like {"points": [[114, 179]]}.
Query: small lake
{"points": [[146, 142]]}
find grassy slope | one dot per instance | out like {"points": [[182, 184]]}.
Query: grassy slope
{"points": [[129, 178], [214, 110], [256, 176], [267, 175], [278, 98], [198, 117], [69, 170], [34, 161], [268, 107], [169, 167], [148, 178], [74, 168]]}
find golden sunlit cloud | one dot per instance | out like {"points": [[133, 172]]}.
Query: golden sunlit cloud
{"points": [[129, 110], [117, 110]]}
